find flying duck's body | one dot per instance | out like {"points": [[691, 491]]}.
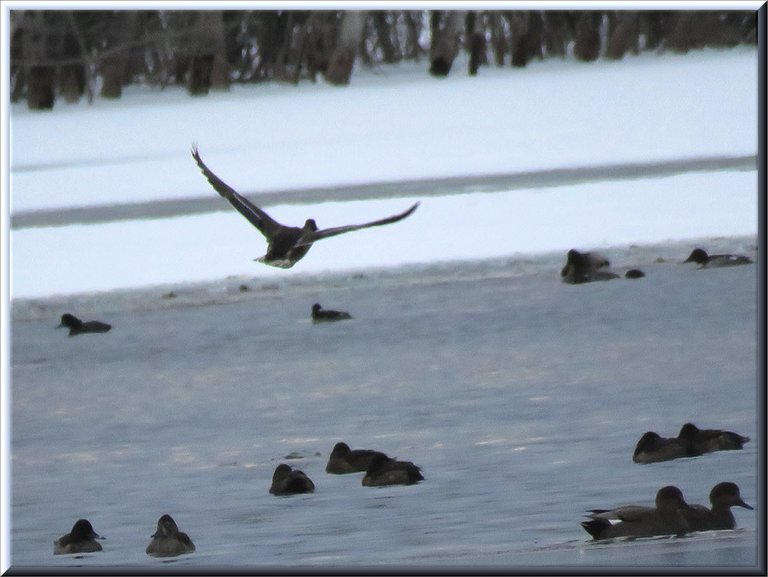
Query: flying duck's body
{"points": [[286, 245]]}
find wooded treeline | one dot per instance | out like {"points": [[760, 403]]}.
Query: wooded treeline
{"points": [[77, 53]]}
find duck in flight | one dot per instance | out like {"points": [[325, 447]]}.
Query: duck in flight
{"points": [[286, 244]]}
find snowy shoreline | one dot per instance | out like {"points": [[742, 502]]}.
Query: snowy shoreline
{"points": [[237, 288], [507, 163]]}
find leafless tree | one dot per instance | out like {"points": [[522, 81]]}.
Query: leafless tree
{"points": [[342, 58], [68, 54]]}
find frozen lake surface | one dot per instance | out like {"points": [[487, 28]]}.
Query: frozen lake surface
{"points": [[520, 397]]}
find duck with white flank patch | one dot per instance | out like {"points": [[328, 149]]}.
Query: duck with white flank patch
{"points": [[667, 518]]}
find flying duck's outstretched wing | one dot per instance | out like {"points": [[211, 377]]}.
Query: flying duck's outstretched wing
{"points": [[257, 217], [312, 236]]}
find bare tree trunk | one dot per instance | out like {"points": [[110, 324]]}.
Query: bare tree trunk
{"points": [[557, 33], [413, 25], [213, 22], [498, 38], [208, 67], [622, 36], [40, 83], [87, 77], [320, 33], [445, 41], [587, 47], [384, 34], [18, 69], [71, 75], [113, 69], [343, 57], [518, 26], [475, 34], [40, 76]]}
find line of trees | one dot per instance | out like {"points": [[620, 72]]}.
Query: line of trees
{"points": [[76, 54]]}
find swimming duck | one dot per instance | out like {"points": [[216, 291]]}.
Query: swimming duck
{"points": [[723, 496], [710, 440], [701, 257], [77, 327], [344, 460], [287, 481], [653, 448], [319, 315], [286, 244], [634, 273], [581, 267], [168, 541], [81, 539], [667, 518], [383, 470]]}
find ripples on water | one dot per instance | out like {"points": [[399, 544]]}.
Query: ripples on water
{"points": [[520, 397]]}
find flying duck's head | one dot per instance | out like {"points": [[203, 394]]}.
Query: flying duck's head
{"points": [[310, 224]]}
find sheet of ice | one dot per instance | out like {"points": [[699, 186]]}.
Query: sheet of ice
{"points": [[199, 248], [394, 123]]}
